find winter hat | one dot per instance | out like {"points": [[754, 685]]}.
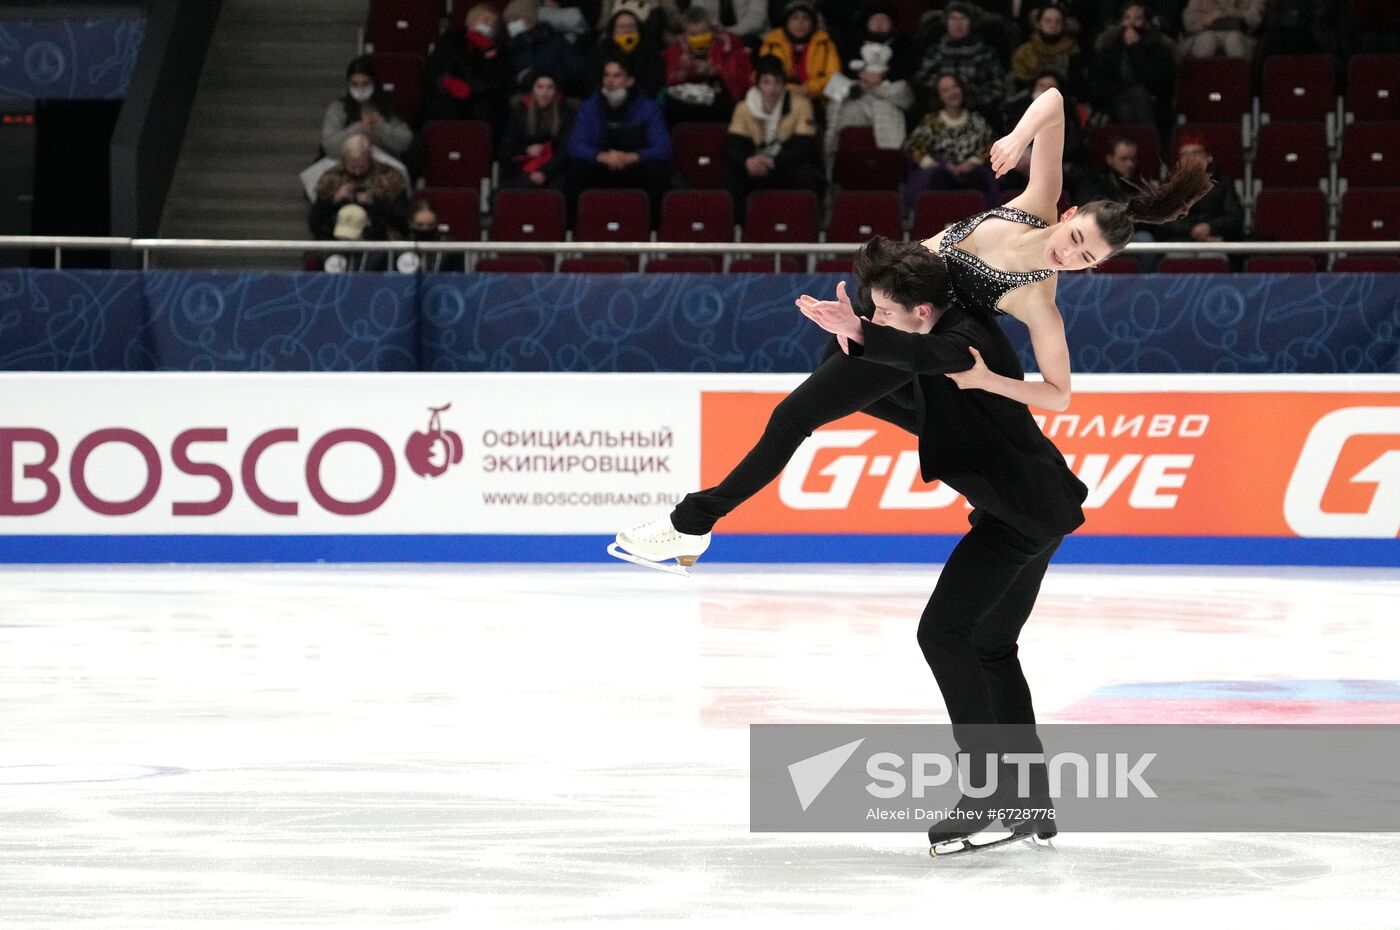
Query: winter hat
{"points": [[806, 6], [769, 64]]}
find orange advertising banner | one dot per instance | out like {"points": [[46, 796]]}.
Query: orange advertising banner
{"points": [[1278, 464]]}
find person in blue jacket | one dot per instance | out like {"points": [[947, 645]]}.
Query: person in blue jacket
{"points": [[620, 140]]}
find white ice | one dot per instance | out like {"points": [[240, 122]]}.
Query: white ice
{"points": [[507, 746]]}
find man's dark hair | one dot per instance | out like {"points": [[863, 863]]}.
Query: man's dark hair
{"points": [[628, 67], [907, 271]]}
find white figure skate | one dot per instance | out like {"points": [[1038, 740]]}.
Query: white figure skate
{"points": [[656, 543]]}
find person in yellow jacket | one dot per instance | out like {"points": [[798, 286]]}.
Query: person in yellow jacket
{"points": [[808, 54]]}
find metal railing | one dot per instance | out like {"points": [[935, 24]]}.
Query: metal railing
{"points": [[808, 250]]}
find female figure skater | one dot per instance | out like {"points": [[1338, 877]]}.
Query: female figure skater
{"points": [[933, 314]]}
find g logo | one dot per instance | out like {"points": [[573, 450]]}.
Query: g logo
{"points": [[1302, 504]]}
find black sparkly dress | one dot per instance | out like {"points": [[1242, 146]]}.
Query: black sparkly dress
{"points": [[976, 285]]}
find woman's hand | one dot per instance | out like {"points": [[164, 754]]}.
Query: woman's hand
{"points": [[835, 316], [1006, 152], [979, 376]]}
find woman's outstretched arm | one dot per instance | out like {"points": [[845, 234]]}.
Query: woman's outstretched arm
{"points": [[1043, 128]]}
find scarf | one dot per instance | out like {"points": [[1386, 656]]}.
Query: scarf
{"points": [[754, 101]]}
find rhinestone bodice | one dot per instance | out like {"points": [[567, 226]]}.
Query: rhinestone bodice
{"points": [[976, 285]]}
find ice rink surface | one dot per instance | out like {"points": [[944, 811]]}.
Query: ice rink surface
{"points": [[495, 746]]}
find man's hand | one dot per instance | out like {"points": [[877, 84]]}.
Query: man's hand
{"points": [[835, 316], [978, 376], [344, 192], [756, 166], [1201, 232]]}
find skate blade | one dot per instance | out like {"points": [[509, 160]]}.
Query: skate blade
{"points": [[669, 568], [964, 846], [1045, 845]]}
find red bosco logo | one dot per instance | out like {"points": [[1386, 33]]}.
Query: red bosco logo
{"points": [[429, 454]]}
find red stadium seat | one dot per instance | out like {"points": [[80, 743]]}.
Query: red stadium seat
{"points": [[1213, 90], [687, 264], [858, 215], [1291, 155], [1118, 264], [835, 265], [594, 265], [696, 216], [613, 216], [1222, 141], [697, 153], [1280, 264], [861, 166], [401, 76], [781, 216], [1200, 264], [764, 264], [1369, 214], [1149, 156], [528, 216], [1373, 87], [1367, 264], [402, 25], [1299, 87], [511, 264], [1292, 215], [457, 209], [1370, 154], [459, 153], [935, 211]]}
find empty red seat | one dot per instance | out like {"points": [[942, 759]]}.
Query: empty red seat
{"points": [[861, 166], [696, 216], [686, 264], [1223, 142], [1299, 87], [1292, 215], [764, 264], [401, 77], [606, 215], [1200, 264], [859, 215], [697, 153], [935, 211], [458, 209], [1373, 87], [1213, 90], [835, 265], [1149, 158], [1291, 155], [511, 264], [590, 264], [402, 25], [528, 216], [781, 216], [459, 153], [1367, 264], [1280, 264], [1118, 264], [1369, 214], [1370, 154]]}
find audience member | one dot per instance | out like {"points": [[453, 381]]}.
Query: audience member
{"points": [[534, 147], [364, 110], [772, 138], [808, 54], [1216, 217], [707, 70], [620, 139], [1116, 182], [1133, 74], [963, 52], [424, 226], [566, 19], [467, 74], [626, 39], [873, 88], [747, 19], [1050, 48], [949, 148], [535, 47], [1213, 28], [660, 19], [359, 198], [1075, 150]]}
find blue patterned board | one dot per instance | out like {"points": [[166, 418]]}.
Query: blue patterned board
{"points": [[170, 320], [68, 59]]}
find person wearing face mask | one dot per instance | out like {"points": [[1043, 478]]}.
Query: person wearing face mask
{"points": [[533, 150], [872, 88], [963, 52], [467, 73], [424, 226], [1051, 48], [364, 110], [620, 140], [1133, 78], [533, 47], [707, 69], [629, 38], [808, 54], [772, 141]]}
